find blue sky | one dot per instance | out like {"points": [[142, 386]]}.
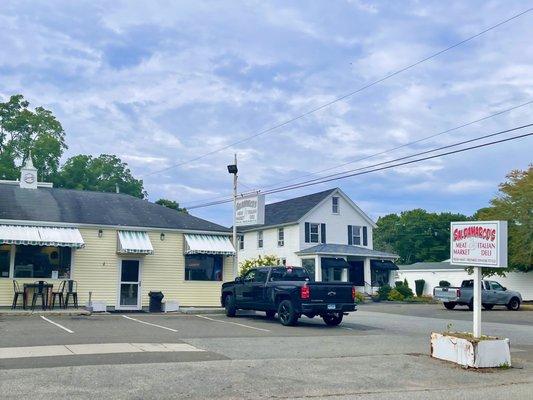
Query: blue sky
{"points": [[160, 82]]}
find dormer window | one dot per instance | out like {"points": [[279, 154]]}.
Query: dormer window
{"points": [[335, 205]]}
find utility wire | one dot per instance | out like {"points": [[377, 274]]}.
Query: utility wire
{"points": [[338, 99], [354, 172], [375, 154]]}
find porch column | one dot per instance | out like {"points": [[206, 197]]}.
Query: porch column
{"points": [[318, 269], [367, 276], [344, 276]]}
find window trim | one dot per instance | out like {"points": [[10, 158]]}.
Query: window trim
{"points": [[318, 232], [281, 237], [358, 228], [260, 239], [333, 205]]}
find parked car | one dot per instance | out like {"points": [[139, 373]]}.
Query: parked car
{"points": [[492, 293], [289, 292]]}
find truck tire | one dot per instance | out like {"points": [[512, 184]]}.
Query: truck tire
{"points": [[449, 305], [229, 305], [488, 307], [270, 314], [287, 314], [514, 304], [332, 319]]}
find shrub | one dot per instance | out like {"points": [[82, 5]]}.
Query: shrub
{"points": [[383, 292], [405, 291], [395, 295], [444, 284], [359, 297], [419, 287], [398, 283], [405, 283], [264, 261]]}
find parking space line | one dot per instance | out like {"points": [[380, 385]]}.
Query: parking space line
{"points": [[234, 323], [56, 324], [149, 323]]}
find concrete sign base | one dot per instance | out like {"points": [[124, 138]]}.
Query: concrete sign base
{"points": [[474, 353]]}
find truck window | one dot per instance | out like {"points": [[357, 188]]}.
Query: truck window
{"points": [[249, 276], [261, 275], [468, 284], [289, 274], [496, 286]]}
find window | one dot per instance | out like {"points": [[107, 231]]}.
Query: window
{"points": [[249, 276], [5, 257], [241, 242], [260, 275], [314, 233], [42, 262], [283, 261], [260, 239], [203, 267], [309, 265], [496, 286], [289, 274], [335, 205], [354, 235], [281, 237], [379, 277]]}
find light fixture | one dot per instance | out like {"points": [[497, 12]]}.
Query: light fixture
{"points": [[232, 169], [162, 236], [100, 233]]}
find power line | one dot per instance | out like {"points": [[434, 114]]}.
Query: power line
{"points": [[376, 154], [338, 99], [351, 173]]}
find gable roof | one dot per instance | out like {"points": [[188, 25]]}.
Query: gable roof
{"points": [[95, 208], [291, 210]]}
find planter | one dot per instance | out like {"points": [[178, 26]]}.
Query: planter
{"points": [[465, 350], [171, 305], [96, 306]]}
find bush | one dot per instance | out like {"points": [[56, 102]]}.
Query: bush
{"points": [[398, 283], [267, 260], [359, 297], [405, 291], [405, 283], [444, 284], [383, 292], [419, 287], [395, 295]]}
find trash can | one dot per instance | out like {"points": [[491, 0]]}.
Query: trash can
{"points": [[155, 301]]}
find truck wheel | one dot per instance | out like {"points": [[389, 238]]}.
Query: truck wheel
{"points": [[332, 319], [287, 314], [514, 304], [449, 305], [488, 306], [270, 314], [229, 305], [471, 305]]}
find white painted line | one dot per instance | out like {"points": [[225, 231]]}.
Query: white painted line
{"points": [[95, 348], [149, 323], [234, 323], [56, 324]]}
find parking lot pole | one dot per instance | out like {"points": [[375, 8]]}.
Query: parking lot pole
{"points": [[235, 241], [477, 302]]}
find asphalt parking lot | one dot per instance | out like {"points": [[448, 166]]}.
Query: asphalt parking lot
{"points": [[379, 351]]}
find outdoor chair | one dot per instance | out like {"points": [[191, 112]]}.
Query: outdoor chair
{"points": [[72, 290], [59, 294], [41, 290], [17, 291]]}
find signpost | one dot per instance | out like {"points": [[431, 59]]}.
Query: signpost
{"points": [[478, 244]]}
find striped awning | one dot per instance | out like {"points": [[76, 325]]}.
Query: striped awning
{"points": [[134, 242], [208, 244], [41, 236]]}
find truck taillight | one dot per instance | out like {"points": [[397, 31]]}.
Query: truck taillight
{"points": [[354, 292], [458, 292], [305, 293]]}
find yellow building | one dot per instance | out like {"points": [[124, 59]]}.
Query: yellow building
{"points": [[116, 247]]}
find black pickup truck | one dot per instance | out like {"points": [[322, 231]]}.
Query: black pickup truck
{"points": [[289, 292]]}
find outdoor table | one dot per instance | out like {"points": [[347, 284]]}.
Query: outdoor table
{"points": [[47, 287]]}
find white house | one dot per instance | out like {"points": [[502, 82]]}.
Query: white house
{"points": [[325, 232], [434, 272]]}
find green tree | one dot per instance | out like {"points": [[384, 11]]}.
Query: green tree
{"points": [[171, 204], [23, 130], [416, 235], [104, 173], [514, 204], [264, 261]]}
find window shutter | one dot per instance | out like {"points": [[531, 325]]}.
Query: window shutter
{"points": [[350, 241], [365, 238], [307, 232], [323, 232]]}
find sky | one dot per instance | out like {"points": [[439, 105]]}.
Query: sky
{"points": [[159, 83]]}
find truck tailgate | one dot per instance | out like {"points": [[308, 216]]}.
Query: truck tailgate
{"points": [[330, 292], [446, 293]]}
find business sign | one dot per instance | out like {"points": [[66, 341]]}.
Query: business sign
{"points": [[479, 243], [250, 210]]}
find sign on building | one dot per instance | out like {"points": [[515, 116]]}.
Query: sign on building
{"points": [[250, 210], [479, 243]]}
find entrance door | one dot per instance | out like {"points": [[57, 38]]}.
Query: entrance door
{"points": [[129, 290], [357, 274]]}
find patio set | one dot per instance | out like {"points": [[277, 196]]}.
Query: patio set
{"points": [[45, 291]]}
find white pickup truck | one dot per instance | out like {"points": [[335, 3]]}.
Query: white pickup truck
{"points": [[492, 293]]}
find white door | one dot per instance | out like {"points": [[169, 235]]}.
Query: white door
{"points": [[129, 285]]}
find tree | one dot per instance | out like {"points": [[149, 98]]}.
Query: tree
{"points": [[171, 204], [104, 173], [23, 130], [514, 204], [264, 261], [416, 235]]}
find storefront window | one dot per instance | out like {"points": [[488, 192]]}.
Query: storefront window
{"points": [[5, 256], [203, 267], [379, 277], [42, 262], [309, 265]]}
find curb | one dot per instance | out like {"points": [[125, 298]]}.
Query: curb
{"points": [[193, 310], [50, 313]]}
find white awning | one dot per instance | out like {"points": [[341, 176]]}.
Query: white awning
{"points": [[41, 236], [134, 242], [208, 244]]}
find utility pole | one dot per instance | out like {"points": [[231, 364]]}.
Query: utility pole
{"points": [[232, 169]]}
